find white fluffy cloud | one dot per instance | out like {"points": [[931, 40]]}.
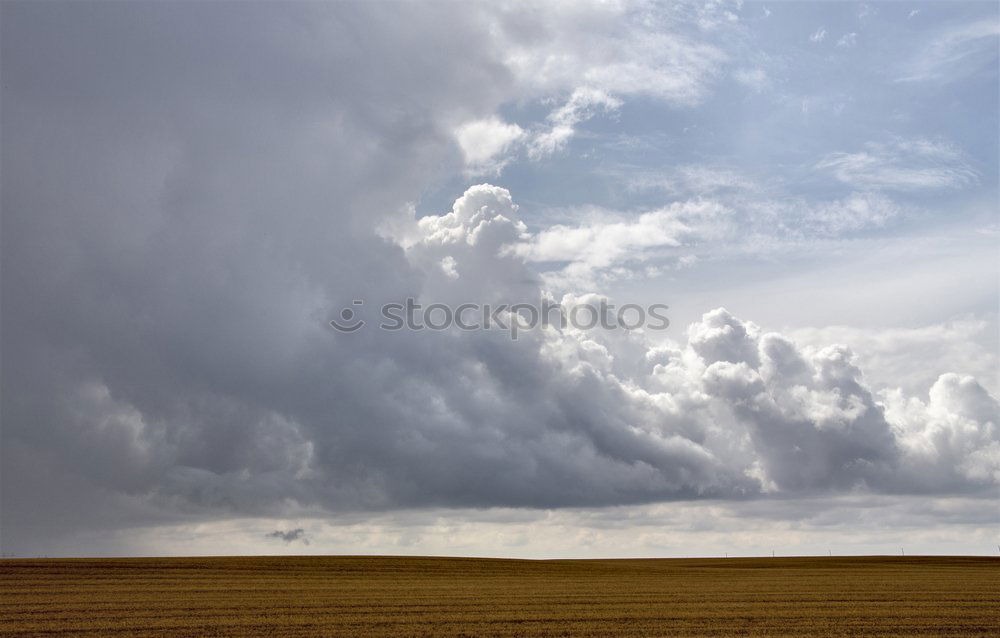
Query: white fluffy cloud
{"points": [[911, 358], [742, 411], [482, 141]]}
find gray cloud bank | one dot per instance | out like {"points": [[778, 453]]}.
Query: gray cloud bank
{"points": [[191, 193]]}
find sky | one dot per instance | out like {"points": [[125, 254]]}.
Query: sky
{"points": [[192, 192]]}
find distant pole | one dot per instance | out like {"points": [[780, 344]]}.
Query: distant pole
{"points": [[831, 553], [901, 552], [772, 553]]}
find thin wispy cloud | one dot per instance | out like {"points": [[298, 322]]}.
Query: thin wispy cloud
{"points": [[848, 40], [956, 51], [581, 106], [902, 165]]}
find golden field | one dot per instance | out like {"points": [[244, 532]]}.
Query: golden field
{"points": [[395, 596]]}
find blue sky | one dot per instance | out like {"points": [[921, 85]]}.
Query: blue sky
{"points": [[803, 105], [782, 100]]}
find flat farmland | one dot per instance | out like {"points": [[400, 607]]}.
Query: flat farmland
{"points": [[395, 596]]}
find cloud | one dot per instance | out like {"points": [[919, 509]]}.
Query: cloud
{"points": [[488, 145], [615, 48], [177, 241], [739, 217], [958, 426], [601, 244], [910, 358], [201, 282], [556, 419], [755, 78], [902, 165], [289, 536], [482, 141], [691, 180], [609, 241], [856, 524], [956, 51], [611, 52], [818, 36], [581, 106], [811, 420], [855, 212], [848, 40]]}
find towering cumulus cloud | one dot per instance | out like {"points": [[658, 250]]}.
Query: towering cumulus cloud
{"points": [[733, 412], [191, 194]]}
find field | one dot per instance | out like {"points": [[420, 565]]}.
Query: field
{"points": [[386, 596]]}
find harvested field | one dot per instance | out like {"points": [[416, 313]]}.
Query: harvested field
{"points": [[393, 596]]}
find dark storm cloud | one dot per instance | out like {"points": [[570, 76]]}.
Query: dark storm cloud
{"points": [[190, 192], [187, 191]]}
